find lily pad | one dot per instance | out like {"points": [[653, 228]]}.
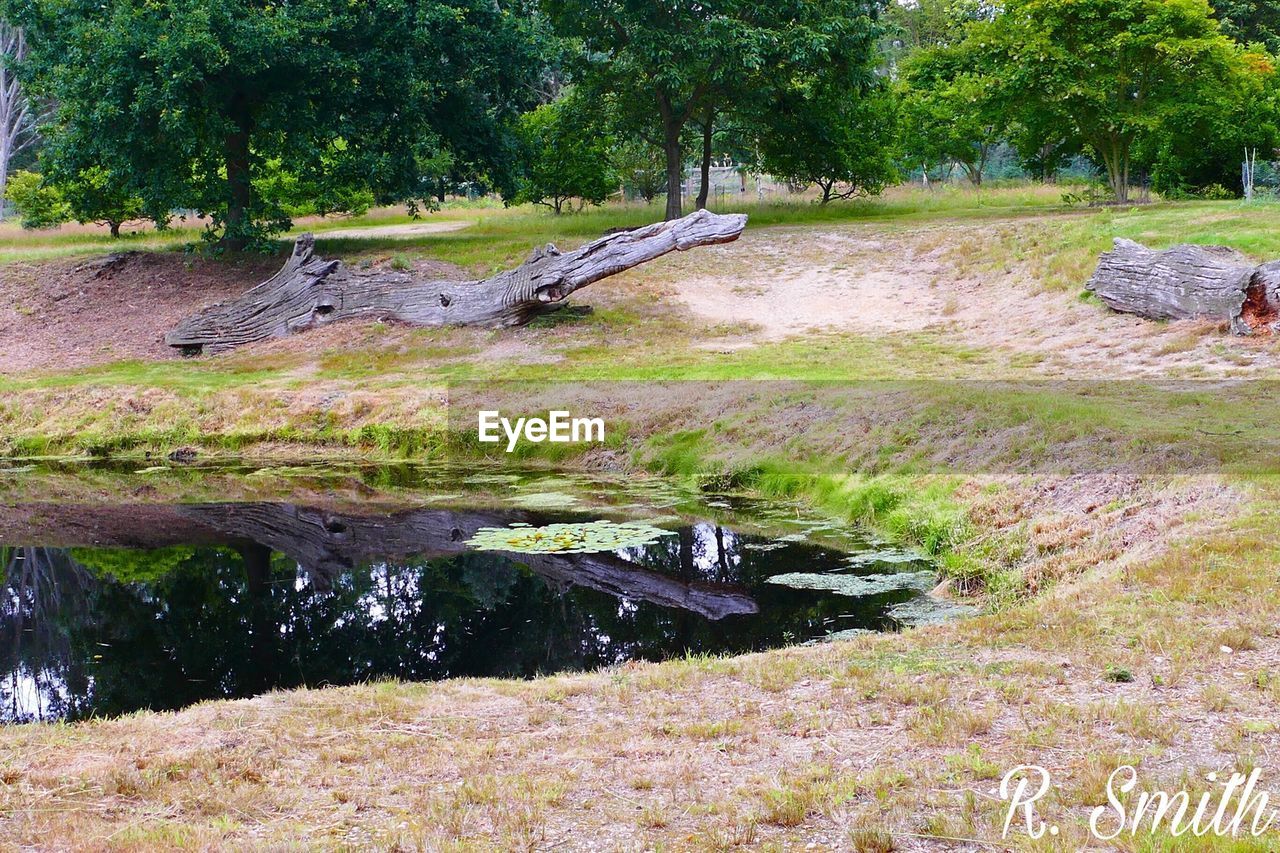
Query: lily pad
{"points": [[886, 557], [591, 537], [858, 585]]}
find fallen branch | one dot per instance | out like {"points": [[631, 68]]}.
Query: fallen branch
{"points": [[311, 291]]}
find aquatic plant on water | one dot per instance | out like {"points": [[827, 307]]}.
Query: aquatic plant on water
{"points": [[590, 537]]}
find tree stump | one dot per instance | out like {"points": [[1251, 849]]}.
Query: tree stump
{"points": [[1186, 281], [310, 291]]}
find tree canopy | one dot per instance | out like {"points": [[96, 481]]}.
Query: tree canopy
{"points": [[182, 102], [839, 140], [1110, 72], [669, 64], [256, 111], [562, 159], [1251, 21]]}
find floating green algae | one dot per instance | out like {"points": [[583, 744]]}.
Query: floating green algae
{"points": [[858, 585], [591, 537], [545, 500]]}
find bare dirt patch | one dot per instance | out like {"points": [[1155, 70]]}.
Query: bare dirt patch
{"points": [[867, 279], [76, 313]]}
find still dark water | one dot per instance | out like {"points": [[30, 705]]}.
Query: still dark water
{"points": [[110, 608]]}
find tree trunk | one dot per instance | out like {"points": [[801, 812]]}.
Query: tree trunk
{"points": [[1209, 282], [115, 230], [973, 172], [708, 134], [310, 291], [671, 127], [239, 181], [1116, 160], [19, 122]]}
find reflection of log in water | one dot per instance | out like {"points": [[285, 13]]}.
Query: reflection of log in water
{"points": [[326, 544]]}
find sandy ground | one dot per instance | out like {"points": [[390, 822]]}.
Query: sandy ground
{"points": [[786, 282], [823, 281], [775, 283]]}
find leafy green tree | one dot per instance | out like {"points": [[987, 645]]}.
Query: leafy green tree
{"points": [[1106, 71], [38, 204], [671, 64], [188, 99], [640, 167], [297, 196], [1251, 21], [561, 162], [840, 140], [925, 24], [95, 196], [954, 108], [1204, 135]]}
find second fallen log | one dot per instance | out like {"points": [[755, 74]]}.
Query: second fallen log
{"points": [[1189, 282]]}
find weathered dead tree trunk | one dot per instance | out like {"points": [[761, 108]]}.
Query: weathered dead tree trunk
{"points": [[1207, 282], [311, 291]]}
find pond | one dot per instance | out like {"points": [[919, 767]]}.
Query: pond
{"points": [[158, 587]]}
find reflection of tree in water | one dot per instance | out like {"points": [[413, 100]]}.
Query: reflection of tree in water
{"points": [[45, 595], [710, 553], [115, 630]]}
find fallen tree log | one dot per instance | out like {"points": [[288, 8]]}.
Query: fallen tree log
{"points": [[310, 291], [1186, 282]]}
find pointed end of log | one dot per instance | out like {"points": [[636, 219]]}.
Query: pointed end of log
{"points": [[704, 228]]}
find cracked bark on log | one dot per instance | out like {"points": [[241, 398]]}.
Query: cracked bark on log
{"points": [[310, 291], [1186, 281]]}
